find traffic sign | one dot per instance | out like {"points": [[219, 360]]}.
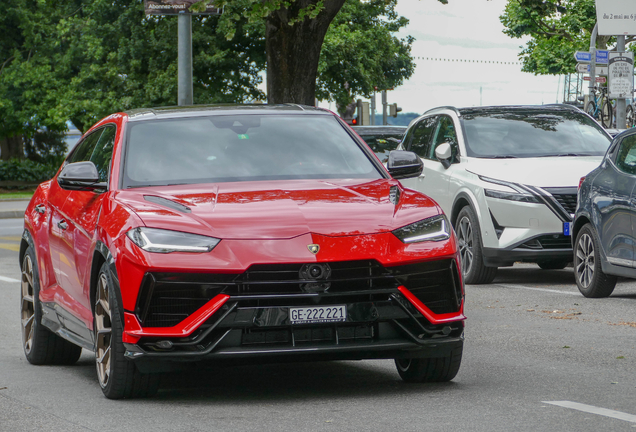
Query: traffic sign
{"points": [[585, 68], [602, 56], [601, 79], [583, 56]]}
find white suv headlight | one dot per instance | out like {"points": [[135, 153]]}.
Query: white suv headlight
{"points": [[166, 241], [435, 228]]}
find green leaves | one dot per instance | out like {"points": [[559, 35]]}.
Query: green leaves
{"points": [[557, 29]]}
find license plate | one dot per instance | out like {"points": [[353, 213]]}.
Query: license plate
{"points": [[567, 228], [317, 314]]}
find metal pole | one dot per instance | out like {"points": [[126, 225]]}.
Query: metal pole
{"points": [[384, 108], [185, 60], [621, 103], [373, 109], [592, 63]]}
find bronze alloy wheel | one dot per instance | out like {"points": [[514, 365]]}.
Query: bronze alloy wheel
{"points": [[103, 331], [465, 240], [585, 258], [28, 304]]}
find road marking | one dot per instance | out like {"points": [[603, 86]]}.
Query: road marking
{"points": [[6, 279], [539, 289], [11, 238], [11, 247], [594, 410]]}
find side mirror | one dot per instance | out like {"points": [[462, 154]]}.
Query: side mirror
{"points": [[443, 153], [404, 164], [81, 176]]}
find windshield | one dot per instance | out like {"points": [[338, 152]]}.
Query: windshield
{"points": [[226, 148], [532, 133]]}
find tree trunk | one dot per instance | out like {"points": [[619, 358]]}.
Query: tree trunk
{"points": [[12, 147], [293, 51]]}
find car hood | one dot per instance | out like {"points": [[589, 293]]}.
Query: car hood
{"points": [[561, 171], [279, 209]]}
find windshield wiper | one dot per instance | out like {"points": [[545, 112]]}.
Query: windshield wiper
{"points": [[502, 157]]}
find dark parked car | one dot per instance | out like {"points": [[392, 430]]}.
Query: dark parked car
{"points": [[227, 233], [381, 139], [603, 226]]}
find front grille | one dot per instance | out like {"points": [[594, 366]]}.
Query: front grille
{"points": [[567, 201], [166, 299], [566, 196]]}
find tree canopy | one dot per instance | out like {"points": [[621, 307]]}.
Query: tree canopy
{"points": [[79, 60], [557, 28]]}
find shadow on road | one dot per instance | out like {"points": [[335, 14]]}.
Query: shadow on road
{"points": [[531, 274], [279, 382]]}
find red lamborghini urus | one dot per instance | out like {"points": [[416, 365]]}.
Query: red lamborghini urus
{"points": [[230, 233]]}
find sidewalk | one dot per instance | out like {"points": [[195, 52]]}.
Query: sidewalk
{"points": [[12, 208]]}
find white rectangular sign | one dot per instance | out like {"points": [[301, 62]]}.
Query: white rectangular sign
{"points": [[616, 17], [621, 75], [585, 68]]}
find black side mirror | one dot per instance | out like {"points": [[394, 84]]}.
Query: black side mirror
{"points": [[404, 164], [82, 176]]}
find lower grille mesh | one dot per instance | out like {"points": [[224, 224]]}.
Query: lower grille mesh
{"points": [[167, 298]]}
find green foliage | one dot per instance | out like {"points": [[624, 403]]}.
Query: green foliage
{"points": [[557, 29], [360, 52], [26, 171]]}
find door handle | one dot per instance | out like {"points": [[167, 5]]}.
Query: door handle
{"points": [[40, 208], [62, 224]]}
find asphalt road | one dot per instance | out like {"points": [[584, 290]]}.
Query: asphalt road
{"points": [[535, 348]]}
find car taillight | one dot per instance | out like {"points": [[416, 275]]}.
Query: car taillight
{"points": [[581, 182]]}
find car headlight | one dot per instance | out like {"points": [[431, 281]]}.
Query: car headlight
{"points": [[512, 196], [166, 241], [435, 228]]}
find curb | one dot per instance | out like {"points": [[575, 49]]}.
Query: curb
{"points": [[12, 214]]}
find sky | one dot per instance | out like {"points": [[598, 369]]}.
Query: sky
{"points": [[466, 30]]}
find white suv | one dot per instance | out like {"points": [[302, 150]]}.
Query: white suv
{"points": [[507, 177]]}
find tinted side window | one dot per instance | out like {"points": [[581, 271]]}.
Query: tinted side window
{"points": [[422, 136], [626, 159], [84, 149], [445, 133], [103, 152]]}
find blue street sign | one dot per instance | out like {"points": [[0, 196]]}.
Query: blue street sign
{"points": [[602, 56], [583, 57]]}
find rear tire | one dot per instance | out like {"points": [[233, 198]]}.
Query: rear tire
{"points": [[590, 109], [629, 116], [553, 265], [606, 113], [118, 377], [420, 370], [470, 248], [589, 276], [41, 346]]}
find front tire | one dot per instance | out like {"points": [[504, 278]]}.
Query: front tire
{"points": [[606, 113], [41, 346], [590, 279], [420, 370], [470, 248], [591, 110], [118, 377]]}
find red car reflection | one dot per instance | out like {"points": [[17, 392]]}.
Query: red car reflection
{"points": [[181, 235]]}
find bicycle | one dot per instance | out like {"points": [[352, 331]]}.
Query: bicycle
{"points": [[600, 108]]}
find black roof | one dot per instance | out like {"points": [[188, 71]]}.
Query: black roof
{"points": [[221, 109], [380, 129], [508, 108]]}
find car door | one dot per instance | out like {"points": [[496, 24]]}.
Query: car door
{"points": [[61, 258], [81, 210], [418, 140], [437, 176], [616, 203]]}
